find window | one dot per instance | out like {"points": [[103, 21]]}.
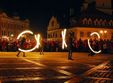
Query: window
{"points": [[111, 23], [2, 33], [9, 33], [81, 34], [104, 23], [48, 36], [96, 22], [89, 21], [55, 35]]}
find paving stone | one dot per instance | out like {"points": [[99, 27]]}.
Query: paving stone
{"points": [[102, 74]]}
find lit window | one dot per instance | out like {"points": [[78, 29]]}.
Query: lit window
{"points": [[4, 33], [48, 36], [55, 35]]}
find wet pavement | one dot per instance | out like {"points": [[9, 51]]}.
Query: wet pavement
{"points": [[19, 70], [57, 69], [102, 73]]}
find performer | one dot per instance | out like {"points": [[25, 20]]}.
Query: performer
{"points": [[21, 44]]}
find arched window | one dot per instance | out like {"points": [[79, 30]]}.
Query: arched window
{"points": [[96, 22], [100, 22], [111, 22], [85, 21], [89, 21]]}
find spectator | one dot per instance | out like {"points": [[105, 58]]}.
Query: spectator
{"points": [[70, 46]]}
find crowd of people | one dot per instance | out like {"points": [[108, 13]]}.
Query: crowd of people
{"points": [[54, 46]]}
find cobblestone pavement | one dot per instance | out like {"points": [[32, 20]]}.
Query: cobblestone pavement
{"points": [[48, 69], [22, 70], [102, 73]]}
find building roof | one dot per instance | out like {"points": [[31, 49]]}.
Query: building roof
{"points": [[93, 14]]}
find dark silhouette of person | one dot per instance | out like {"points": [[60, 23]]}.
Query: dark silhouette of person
{"points": [[70, 45], [41, 47], [21, 44]]}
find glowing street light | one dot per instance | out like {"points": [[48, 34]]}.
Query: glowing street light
{"points": [[101, 31], [105, 31]]}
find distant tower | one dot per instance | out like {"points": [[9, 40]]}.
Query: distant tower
{"points": [[105, 6], [53, 24], [86, 4]]}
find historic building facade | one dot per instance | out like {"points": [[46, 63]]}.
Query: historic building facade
{"points": [[83, 25], [53, 30], [11, 27], [103, 27]]}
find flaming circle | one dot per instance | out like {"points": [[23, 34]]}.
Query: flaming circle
{"points": [[89, 42], [37, 38]]}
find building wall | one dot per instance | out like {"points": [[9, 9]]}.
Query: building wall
{"points": [[104, 6], [54, 35], [53, 24], [83, 32], [54, 30], [12, 26]]}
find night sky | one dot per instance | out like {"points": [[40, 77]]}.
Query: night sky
{"points": [[38, 12]]}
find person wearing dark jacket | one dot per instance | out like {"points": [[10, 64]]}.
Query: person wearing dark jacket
{"points": [[70, 46], [21, 43]]}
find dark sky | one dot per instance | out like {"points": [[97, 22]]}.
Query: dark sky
{"points": [[38, 11]]}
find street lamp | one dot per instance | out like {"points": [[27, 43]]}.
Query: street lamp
{"points": [[101, 31], [105, 31]]}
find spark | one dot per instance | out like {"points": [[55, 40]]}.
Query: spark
{"points": [[63, 39]]}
